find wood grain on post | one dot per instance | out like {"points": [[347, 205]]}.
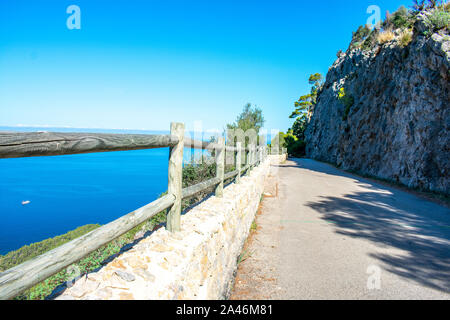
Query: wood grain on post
{"points": [[252, 157], [260, 154], [36, 144], [248, 155], [256, 156], [220, 166], [175, 177], [238, 161]]}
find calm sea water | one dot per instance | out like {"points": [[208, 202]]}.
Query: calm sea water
{"points": [[69, 191]]}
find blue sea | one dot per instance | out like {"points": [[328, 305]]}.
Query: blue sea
{"points": [[69, 191]]}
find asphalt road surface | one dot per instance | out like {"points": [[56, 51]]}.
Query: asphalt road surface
{"points": [[327, 234]]}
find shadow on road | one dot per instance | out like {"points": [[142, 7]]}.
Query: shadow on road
{"points": [[392, 218]]}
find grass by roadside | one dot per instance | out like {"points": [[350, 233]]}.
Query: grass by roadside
{"points": [[246, 253]]}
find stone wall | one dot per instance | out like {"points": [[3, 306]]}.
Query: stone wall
{"points": [[197, 263], [276, 159]]}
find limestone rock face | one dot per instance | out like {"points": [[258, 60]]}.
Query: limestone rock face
{"points": [[398, 127]]}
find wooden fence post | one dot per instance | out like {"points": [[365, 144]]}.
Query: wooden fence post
{"points": [[238, 162], [220, 166], [252, 156], [260, 155], [257, 156], [175, 177], [249, 157]]}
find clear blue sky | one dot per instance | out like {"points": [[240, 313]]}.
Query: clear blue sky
{"points": [[143, 64]]}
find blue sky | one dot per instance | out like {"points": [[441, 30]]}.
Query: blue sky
{"points": [[143, 64]]}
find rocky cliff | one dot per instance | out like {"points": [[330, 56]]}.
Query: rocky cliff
{"points": [[395, 120]]}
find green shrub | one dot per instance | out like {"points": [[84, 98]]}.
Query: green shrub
{"points": [[295, 146], [297, 149], [401, 19], [347, 100], [195, 173], [439, 19], [359, 36], [370, 41]]}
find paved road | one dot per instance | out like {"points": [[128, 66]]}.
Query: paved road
{"points": [[331, 235]]}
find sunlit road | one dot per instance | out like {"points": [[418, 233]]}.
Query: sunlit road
{"points": [[332, 235]]}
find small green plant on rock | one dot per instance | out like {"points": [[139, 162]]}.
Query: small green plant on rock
{"points": [[347, 100], [359, 37], [244, 256], [400, 19], [405, 38], [254, 226], [371, 40], [438, 19]]}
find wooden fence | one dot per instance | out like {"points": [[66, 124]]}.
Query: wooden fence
{"points": [[14, 145]]}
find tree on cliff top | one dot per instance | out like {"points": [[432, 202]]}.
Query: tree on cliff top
{"points": [[304, 109], [250, 118], [306, 103], [250, 121]]}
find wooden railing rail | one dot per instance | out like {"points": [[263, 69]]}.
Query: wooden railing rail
{"points": [[37, 144], [197, 144]]}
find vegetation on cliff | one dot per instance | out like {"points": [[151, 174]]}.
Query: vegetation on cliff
{"points": [[383, 110], [400, 26], [398, 29], [294, 139]]}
